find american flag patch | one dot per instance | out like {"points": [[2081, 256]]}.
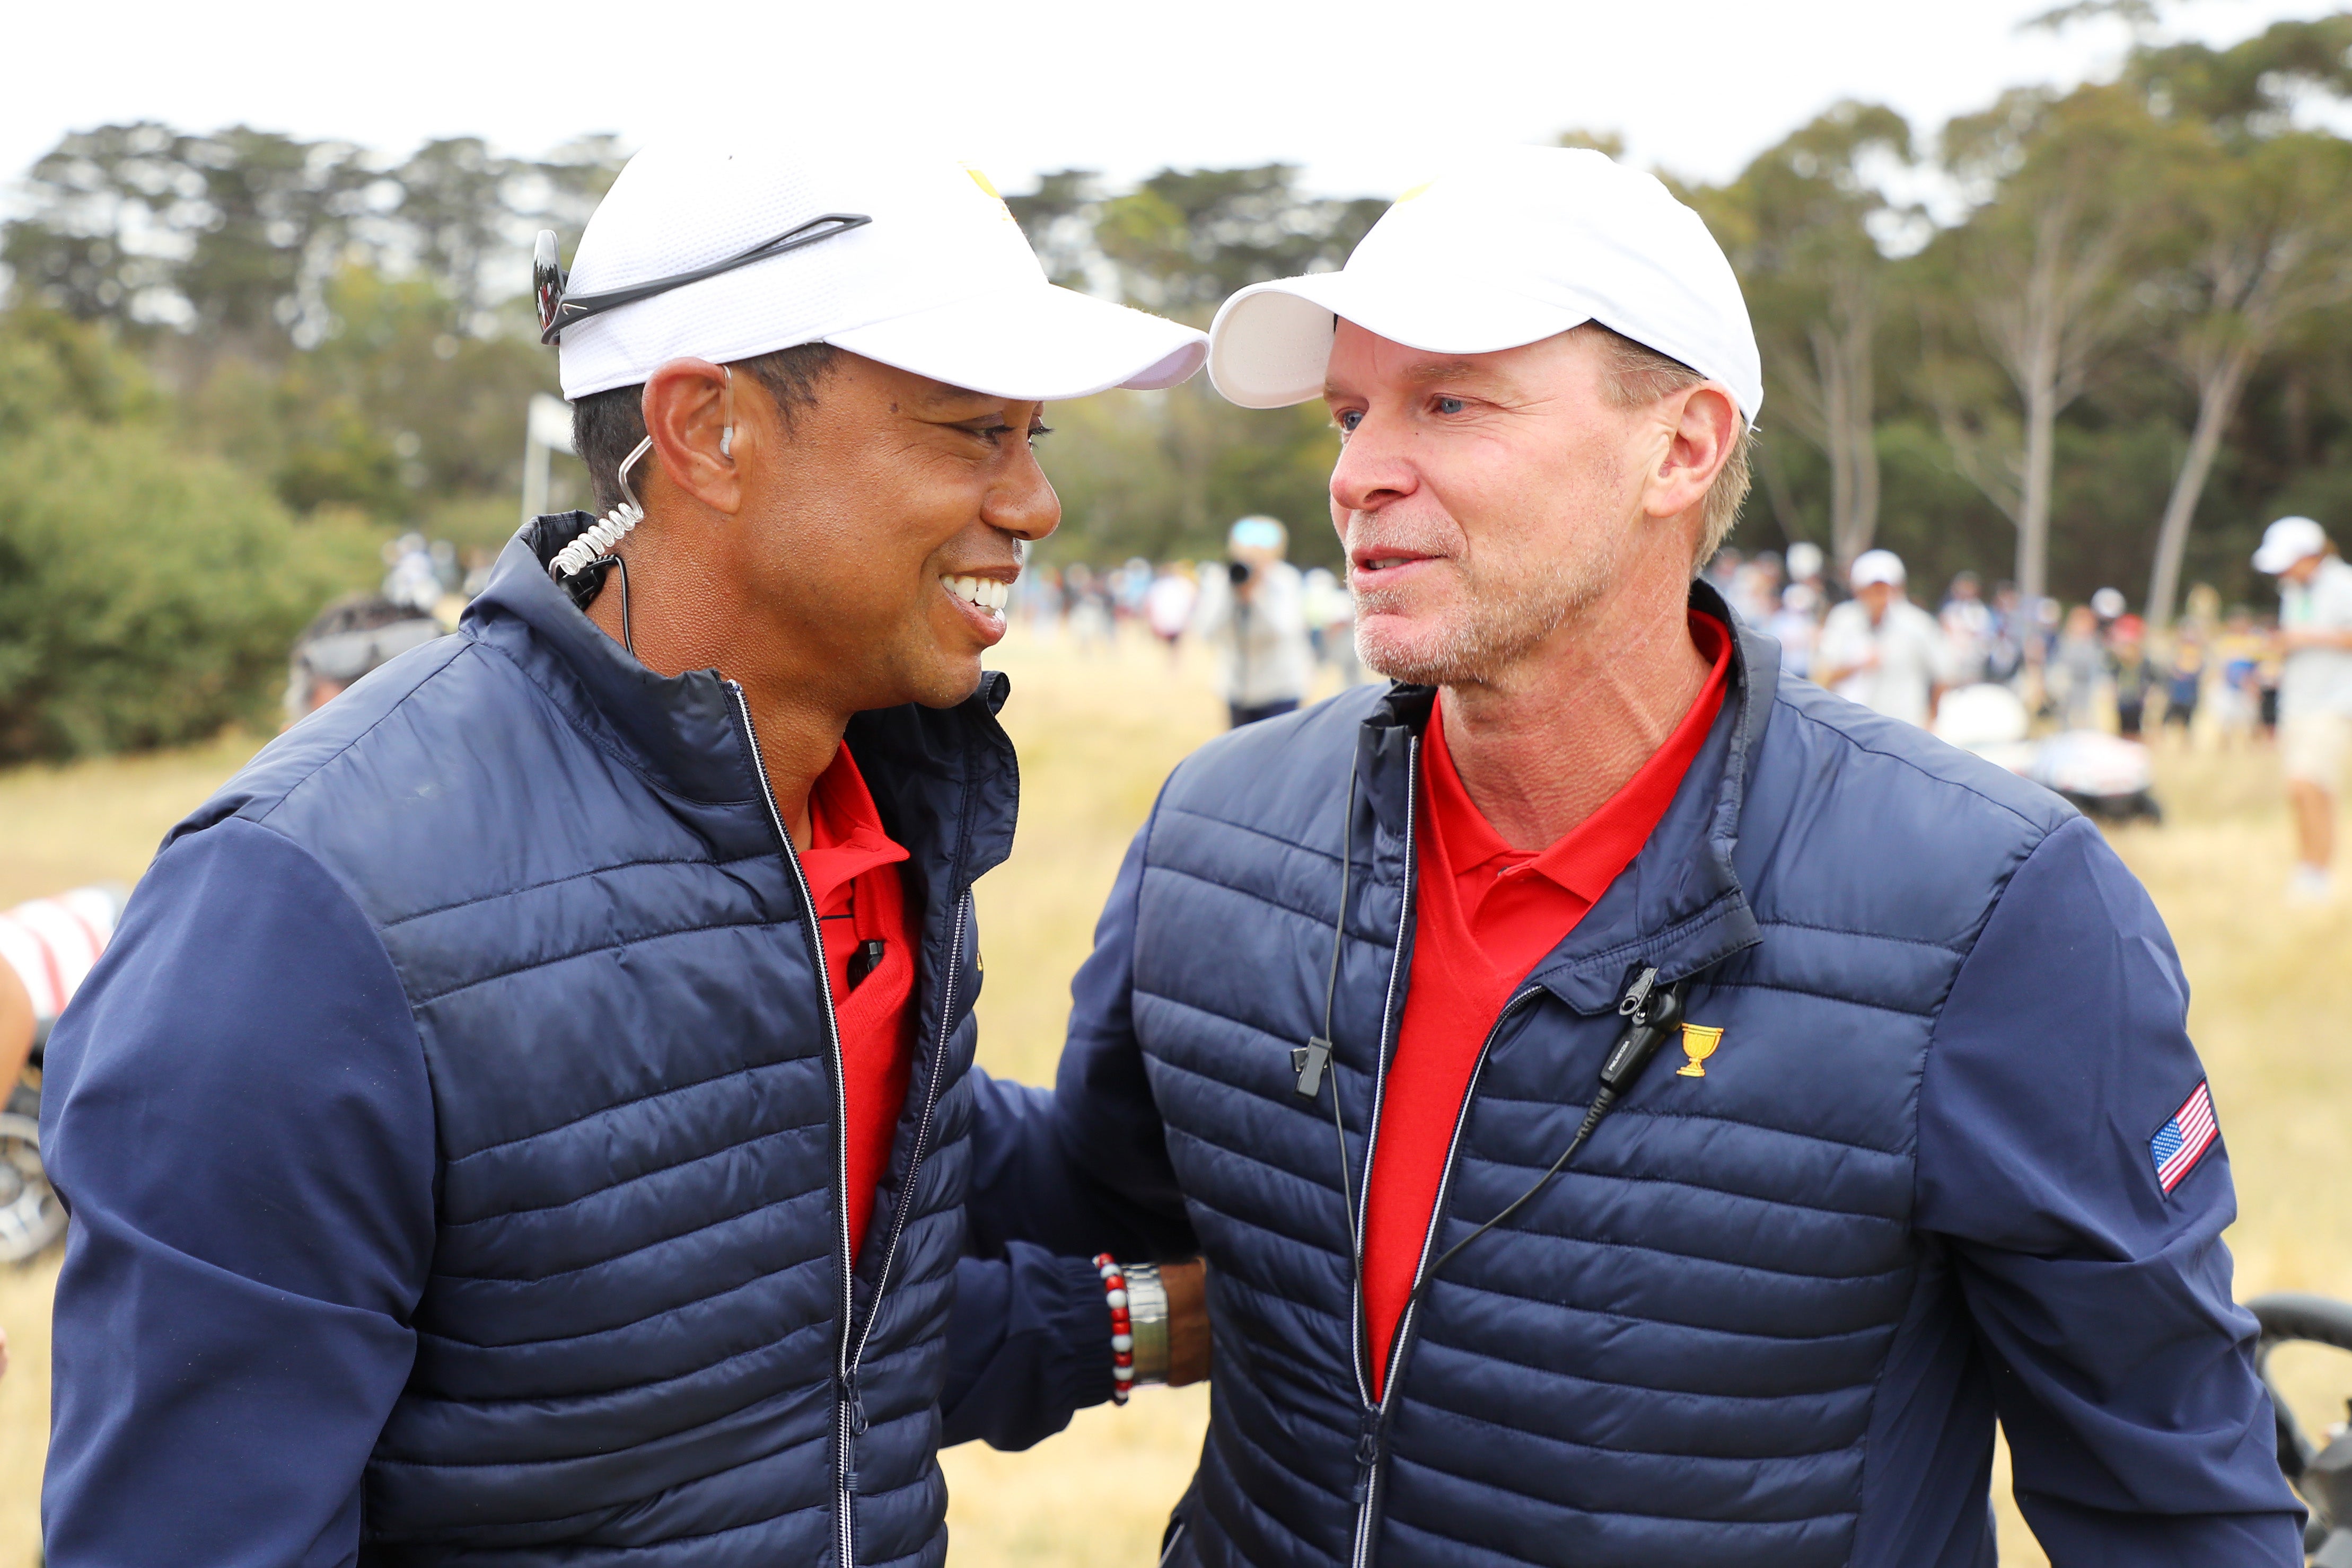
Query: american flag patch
{"points": [[2181, 1143]]}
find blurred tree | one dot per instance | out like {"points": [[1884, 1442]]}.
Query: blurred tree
{"points": [[147, 597], [1185, 240], [2260, 219], [2040, 275], [1800, 225]]}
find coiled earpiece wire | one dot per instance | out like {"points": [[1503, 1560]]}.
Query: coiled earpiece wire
{"points": [[595, 545]]}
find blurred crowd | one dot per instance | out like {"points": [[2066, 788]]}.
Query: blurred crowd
{"points": [[2086, 666]]}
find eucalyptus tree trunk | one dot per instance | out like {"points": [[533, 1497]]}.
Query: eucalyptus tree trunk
{"points": [[1842, 359], [2217, 399]]}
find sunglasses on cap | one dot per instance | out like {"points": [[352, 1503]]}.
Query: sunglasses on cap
{"points": [[558, 309]]}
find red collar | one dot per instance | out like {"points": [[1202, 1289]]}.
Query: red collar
{"points": [[847, 838]]}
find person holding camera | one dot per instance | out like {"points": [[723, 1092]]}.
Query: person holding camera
{"points": [[1253, 614]]}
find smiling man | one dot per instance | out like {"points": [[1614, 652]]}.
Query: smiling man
{"points": [[525, 1116], [1637, 1108]]}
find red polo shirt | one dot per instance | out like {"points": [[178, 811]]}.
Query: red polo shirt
{"points": [[852, 870], [1486, 914]]}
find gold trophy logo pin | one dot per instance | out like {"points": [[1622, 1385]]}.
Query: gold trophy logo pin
{"points": [[1698, 1044]]}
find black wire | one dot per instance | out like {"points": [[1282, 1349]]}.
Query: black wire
{"points": [[1601, 1104], [627, 640], [1331, 989]]}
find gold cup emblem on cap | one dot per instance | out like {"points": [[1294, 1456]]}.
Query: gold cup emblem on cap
{"points": [[1698, 1043]]}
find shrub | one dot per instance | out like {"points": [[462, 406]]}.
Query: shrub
{"points": [[147, 596]]}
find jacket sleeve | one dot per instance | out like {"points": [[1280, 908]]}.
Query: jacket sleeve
{"points": [[1082, 1169], [2122, 1367], [1028, 1346], [236, 1116], [1056, 1178]]}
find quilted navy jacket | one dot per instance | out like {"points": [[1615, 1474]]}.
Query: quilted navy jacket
{"points": [[1767, 1315], [451, 1137]]}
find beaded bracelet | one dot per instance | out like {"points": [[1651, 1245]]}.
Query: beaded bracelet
{"points": [[1138, 1323], [1122, 1328]]}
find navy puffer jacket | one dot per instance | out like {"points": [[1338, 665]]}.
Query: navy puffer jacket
{"points": [[1765, 1317], [517, 916]]}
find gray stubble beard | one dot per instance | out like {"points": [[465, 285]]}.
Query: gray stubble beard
{"points": [[1504, 623]]}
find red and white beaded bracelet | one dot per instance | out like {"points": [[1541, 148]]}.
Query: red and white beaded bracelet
{"points": [[1122, 1328]]}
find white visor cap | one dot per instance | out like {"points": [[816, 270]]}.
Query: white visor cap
{"points": [[1510, 246], [942, 282]]}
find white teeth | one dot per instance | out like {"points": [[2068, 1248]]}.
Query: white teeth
{"points": [[981, 592]]}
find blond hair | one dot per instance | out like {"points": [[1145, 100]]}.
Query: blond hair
{"points": [[1638, 376]]}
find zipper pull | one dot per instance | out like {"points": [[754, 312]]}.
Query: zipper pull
{"points": [[855, 1401], [1368, 1453]]}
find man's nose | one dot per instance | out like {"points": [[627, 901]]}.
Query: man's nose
{"points": [[1023, 504], [1374, 467]]}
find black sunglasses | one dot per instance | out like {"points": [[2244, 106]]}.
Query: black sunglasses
{"points": [[558, 309]]}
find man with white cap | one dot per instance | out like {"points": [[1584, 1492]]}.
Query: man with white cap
{"points": [[1881, 650], [2314, 711], [526, 1115], [1637, 1108]]}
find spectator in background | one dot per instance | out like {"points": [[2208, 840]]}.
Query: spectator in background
{"points": [[1331, 624], [2075, 668], [1755, 595], [1968, 628], [348, 639], [1797, 626], [1881, 650], [1168, 605], [2239, 651], [2184, 679], [2108, 605], [2005, 635], [2133, 673], [1253, 613], [1087, 608], [2315, 688], [1804, 566]]}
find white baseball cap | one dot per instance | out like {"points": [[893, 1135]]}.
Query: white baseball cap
{"points": [[937, 278], [2287, 541], [1874, 566], [1511, 246]]}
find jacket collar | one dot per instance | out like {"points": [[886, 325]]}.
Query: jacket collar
{"points": [[944, 779], [1679, 905]]}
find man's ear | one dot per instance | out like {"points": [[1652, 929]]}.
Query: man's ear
{"points": [[689, 406], [1705, 424]]}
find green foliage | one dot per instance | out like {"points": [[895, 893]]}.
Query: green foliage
{"points": [[146, 597]]}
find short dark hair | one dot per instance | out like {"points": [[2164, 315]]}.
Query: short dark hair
{"points": [[607, 425]]}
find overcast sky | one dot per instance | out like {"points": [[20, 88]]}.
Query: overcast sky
{"points": [[1368, 95]]}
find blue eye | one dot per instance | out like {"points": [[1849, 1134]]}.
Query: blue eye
{"points": [[1450, 405], [1348, 421]]}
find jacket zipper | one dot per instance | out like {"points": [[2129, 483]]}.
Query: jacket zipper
{"points": [[914, 1162], [844, 1469], [1369, 1412], [1368, 1445]]}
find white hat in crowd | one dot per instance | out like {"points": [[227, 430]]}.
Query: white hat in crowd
{"points": [[1876, 566], [2287, 541], [934, 276], [1511, 246]]}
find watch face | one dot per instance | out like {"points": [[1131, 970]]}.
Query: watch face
{"points": [[546, 279]]}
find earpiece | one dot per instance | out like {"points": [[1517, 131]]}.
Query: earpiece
{"points": [[727, 431]]}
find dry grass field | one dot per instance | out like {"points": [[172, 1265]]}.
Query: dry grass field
{"points": [[2274, 988]]}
